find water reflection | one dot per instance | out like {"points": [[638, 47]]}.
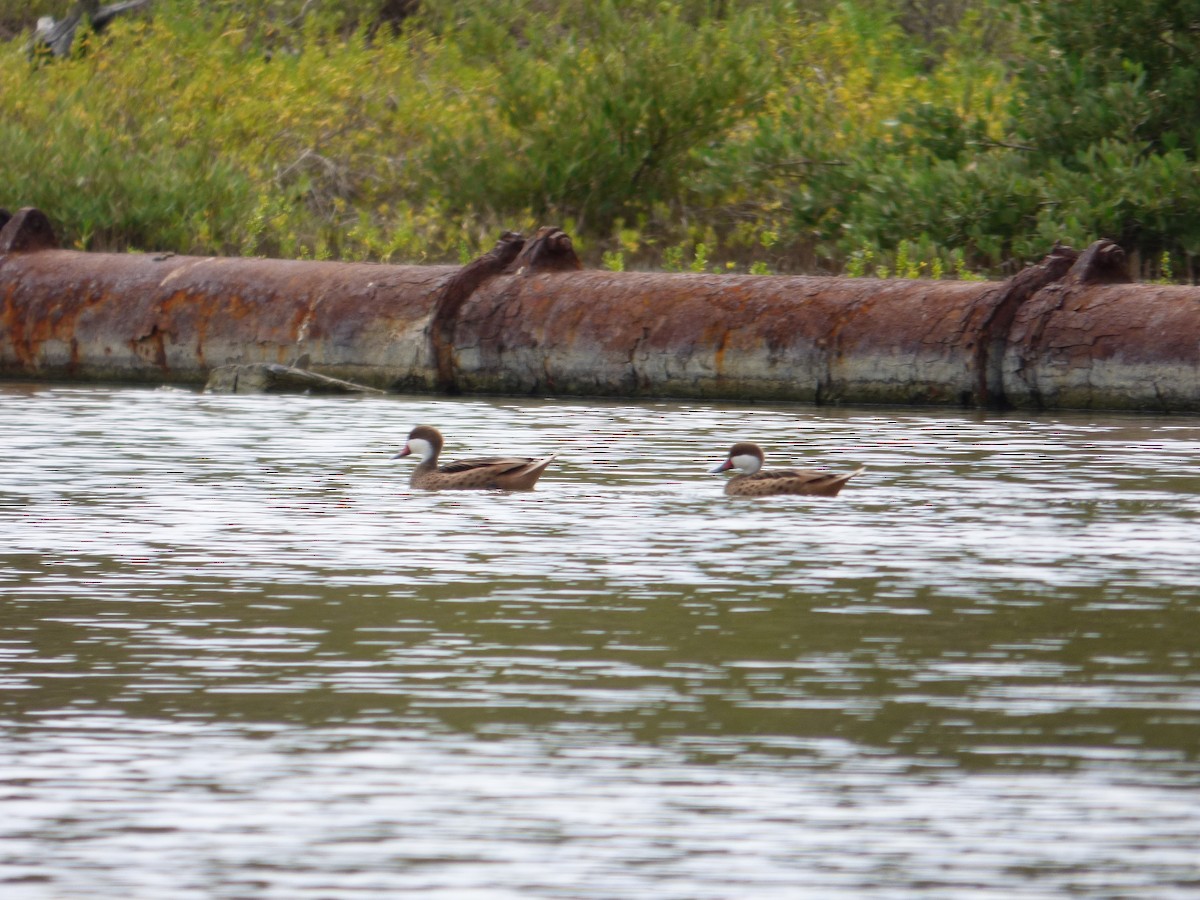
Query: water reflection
{"points": [[228, 621]]}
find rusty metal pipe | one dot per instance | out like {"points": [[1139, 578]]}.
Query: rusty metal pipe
{"points": [[168, 318], [736, 337], [1054, 336]]}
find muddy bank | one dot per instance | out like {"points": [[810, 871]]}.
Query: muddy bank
{"points": [[1068, 332]]}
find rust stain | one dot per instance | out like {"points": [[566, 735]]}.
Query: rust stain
{"points": [[456, 292], [151, 347], [719, 353], [547, 325]]}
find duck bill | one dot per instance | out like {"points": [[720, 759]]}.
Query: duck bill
{"points": [[723, 467], [405, 452]]}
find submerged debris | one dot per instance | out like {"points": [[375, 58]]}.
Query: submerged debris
{"points": [[275, 378]]}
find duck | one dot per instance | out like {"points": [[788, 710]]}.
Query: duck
{"points": [[505, 473], [748, 458]]}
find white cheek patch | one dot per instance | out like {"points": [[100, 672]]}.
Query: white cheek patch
{"points": [[744, 462], [420, 448]]}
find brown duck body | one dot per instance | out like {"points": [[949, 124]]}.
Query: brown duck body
{"points": [[787, 481], [505, 473], [755, 482]]}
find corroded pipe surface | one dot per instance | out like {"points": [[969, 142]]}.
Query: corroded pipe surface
{"points": [[786, 338], [136, 317], [1107, 347], [1059, 334]]}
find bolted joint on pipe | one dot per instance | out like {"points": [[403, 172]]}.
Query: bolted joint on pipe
{"points": [[26, 232]]}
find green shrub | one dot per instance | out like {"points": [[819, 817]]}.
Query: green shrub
{"points": [[1112, 70], [603, 116], [680, 134]]}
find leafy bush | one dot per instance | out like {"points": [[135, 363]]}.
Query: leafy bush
{"points": [[706, 135], [598, 117], [1115, 70]]}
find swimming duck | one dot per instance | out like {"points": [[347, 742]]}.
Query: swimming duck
{"points": [[750, 482], [506, 473]]}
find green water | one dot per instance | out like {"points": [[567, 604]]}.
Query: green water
{"points": [[239, 657]]}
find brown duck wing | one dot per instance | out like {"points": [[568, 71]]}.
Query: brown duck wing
{"points": [[790, 481], [824, 484], [498, 463], [508, 473], [526, 475], [777, 475]]}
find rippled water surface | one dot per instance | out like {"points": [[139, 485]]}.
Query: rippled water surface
{"points": [[239, 657]]}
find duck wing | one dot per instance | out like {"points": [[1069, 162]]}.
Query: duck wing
{"points": [[804, 481], [506, 473], [498, 463]]}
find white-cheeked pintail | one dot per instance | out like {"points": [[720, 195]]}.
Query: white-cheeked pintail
{"points": [[752, 481], [505, 473]]}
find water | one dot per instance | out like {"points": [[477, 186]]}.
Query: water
{"points": [[239, 657]]}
